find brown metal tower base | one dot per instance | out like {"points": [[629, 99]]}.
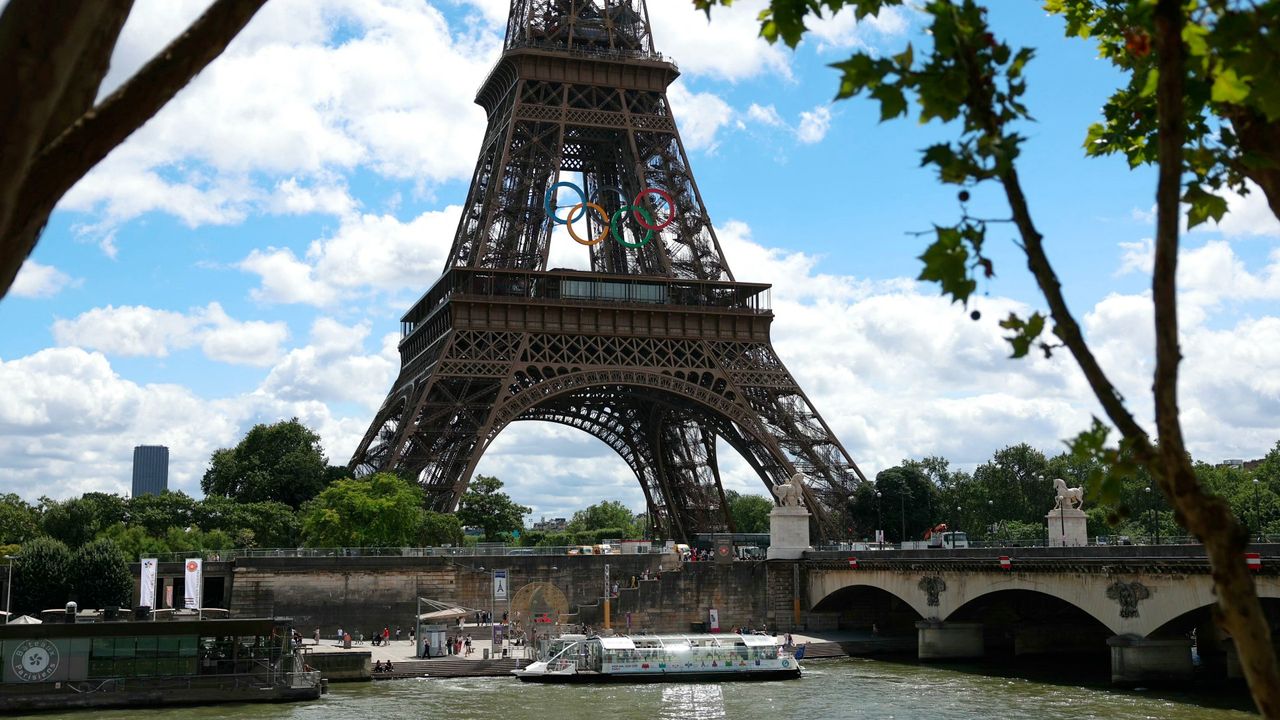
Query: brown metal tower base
{"points": [[657, 351]]}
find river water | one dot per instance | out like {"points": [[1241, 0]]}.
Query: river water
{"points": [[854, 688]]}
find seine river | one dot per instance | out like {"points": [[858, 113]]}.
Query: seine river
{"points": [[829, 689]]}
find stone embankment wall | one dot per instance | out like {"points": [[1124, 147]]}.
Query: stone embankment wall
{"points": [[364, 594]]}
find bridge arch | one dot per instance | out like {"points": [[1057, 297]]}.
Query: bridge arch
{"points": [[1105, 615], [867, 606]]}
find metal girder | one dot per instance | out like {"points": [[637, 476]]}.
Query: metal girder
{"points": [[657, 351]]}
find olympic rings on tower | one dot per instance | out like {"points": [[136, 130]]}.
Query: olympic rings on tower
{"points": [[641, 214]]}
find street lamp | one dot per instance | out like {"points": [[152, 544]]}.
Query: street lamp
{"points": [[991, 513], [1147, 491], [953, 531], [879, 522], [8, 589], [1257, 509], [902, 510]]}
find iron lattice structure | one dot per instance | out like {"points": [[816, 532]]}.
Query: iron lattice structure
{"points": [[657, 350]]}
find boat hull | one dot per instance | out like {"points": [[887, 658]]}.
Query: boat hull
{"points": [[677, 677]]}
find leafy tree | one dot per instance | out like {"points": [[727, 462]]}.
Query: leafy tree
{"points": [[52, 66], [280, 463], [76, 521], [134, 542], [157, 513], [968, 78], [100, 575], [19, 521], [485, 506], [439, 529], [750, 513], [41, 576], [261, 524], [606, 514], [381, 510], [906, 500]]}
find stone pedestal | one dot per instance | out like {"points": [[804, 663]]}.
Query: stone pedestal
{"points": [[936, 640], [1067, 528], [1149, 661], [788, 532]]}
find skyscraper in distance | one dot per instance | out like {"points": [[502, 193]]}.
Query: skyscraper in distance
{"points": [[150, 470]]}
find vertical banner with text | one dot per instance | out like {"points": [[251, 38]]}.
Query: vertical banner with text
{"points": [[499, 584], [192, 583], [713, 618], [147, 583]]}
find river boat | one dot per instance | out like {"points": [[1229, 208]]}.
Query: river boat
{"points": [[118, 663], [661, 658]]}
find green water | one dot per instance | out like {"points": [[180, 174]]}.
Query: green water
{"points": [[829, 689]]}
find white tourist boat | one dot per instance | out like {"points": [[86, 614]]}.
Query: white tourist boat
{"points": [[656, 658]]}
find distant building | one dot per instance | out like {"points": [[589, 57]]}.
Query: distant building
{"points": [[553, 525], [150, 470]]}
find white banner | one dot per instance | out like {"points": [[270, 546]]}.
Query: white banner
{"points": [[499, 584], [193, 583], [147, 583], [714, 617]]}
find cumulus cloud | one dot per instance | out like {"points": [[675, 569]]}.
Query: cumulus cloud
{"points": [[700, 115], [36, 280], [334, 367], [814, 125], [842, 31], [135, 330], [729, 47], [366, 254], [311, 88]]}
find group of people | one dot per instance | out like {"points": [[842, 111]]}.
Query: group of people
{"points": [[380, 637], [696, 555], [384, 637], [379, 667]]}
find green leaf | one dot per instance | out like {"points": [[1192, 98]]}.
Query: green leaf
{"points": [[1024, 332], [946, 263], [892, 102], [1204, 206], [1229, 88], [1149, 86]]}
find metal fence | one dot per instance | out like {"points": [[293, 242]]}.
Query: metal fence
{"points": [[482, 550]]}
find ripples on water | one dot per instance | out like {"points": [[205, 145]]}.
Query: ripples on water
{"points": [[829, 689]]}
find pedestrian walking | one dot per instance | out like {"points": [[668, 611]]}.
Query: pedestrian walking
{"points": [[317, 636], [397, 633]]}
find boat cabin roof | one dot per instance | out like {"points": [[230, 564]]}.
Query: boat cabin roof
{"points": [[631, 642]]}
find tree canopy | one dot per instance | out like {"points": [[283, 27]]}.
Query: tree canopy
{"points": [[380, 510], [485, 506], [282, 462], [41, 576], [604, 515], [1201, 104], [100, 575], [750, 513]]}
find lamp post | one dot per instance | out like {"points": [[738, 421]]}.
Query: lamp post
{"points": [[991, 514], [902, 511], [8, 589], [1257, 510], [1147, 491], [879, 522], [952, 531]]}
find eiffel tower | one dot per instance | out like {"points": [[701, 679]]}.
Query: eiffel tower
{"points": [[657, 350]]}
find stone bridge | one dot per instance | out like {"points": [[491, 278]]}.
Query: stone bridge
{"points": [[1147, 604]]}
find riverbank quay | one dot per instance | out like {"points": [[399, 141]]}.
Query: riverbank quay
{"points": [[148, 663], [337, 664]]}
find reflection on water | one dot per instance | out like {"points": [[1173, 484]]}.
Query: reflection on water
{"points": [[829, 689], [693, 701]]}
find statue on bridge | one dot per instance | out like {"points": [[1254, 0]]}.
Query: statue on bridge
{"points": [[1068, 498], [791, 494]]}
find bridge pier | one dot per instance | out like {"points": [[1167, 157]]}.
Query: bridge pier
{"points": [[936, 640], [1149, 661]]}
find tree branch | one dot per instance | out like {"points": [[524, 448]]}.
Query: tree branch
{"points": [[41, 43], [96, 133], [1208, 517]]}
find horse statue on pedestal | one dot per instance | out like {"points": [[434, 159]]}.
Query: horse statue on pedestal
{"points": [[791, 494], [1068, 498]]}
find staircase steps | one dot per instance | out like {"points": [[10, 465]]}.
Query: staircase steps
{"points": [[452, 668]]}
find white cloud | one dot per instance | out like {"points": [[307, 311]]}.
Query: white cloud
{"points": [[1249, 215], [841, 31], [334, 368], [729, 47], [767, 115], [366, 254], [814, 125], [144, 331], [36, 280], [310, 88], [700, 116]]}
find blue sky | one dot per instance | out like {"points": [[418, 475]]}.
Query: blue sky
{"points": [[246, 256]]}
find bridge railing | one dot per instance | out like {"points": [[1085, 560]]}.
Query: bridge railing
{"points": [[484, 550], [1097, 541]]}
